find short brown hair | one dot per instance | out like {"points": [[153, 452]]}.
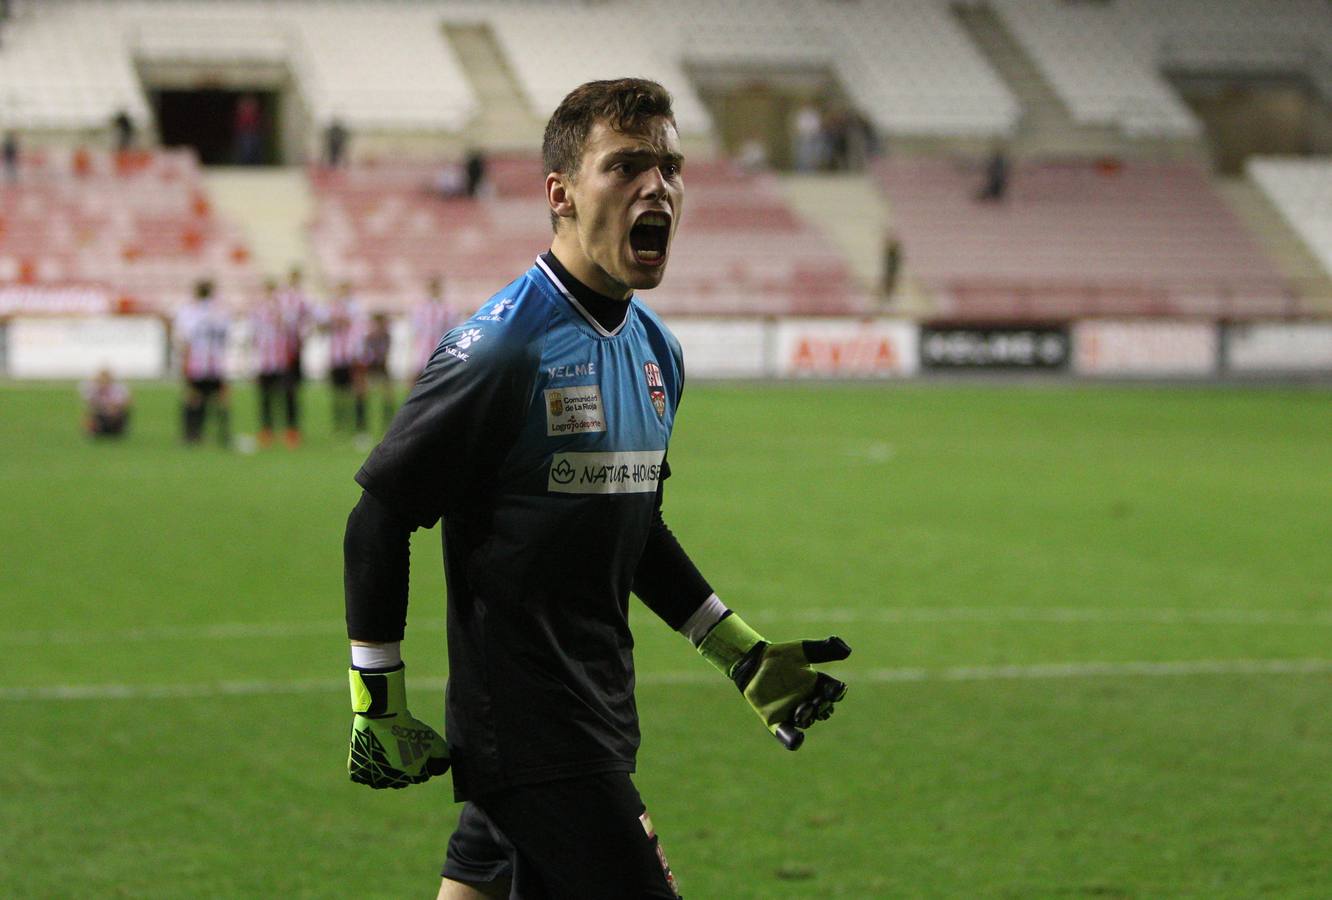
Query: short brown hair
{"points": [[624, 104]]}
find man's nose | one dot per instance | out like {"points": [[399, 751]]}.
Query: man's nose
{"points": [[654, 183]]}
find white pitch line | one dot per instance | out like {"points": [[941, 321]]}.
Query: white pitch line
{"points": [[925, 615], [1035, 672]]}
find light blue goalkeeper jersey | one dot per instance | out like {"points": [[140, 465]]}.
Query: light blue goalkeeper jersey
{"points": [[541, 440]]}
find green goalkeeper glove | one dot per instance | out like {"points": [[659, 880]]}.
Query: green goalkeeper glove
{"points": [[776, 678], [389, 747]]}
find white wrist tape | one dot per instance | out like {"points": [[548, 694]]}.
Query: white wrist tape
{"points": [[709, 613], [376, 656]]}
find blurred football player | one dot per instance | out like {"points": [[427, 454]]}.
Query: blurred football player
{"points": [[200, 332], [375, 381], [298, 320], [344, 321], [272, 355], [538, 433], [430, 319], [106, 404]]}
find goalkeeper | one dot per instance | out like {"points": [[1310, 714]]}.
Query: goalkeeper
{"points": [[538, 433]]}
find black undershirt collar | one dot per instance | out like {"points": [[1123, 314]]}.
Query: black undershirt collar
{"points": [[609, 312]]}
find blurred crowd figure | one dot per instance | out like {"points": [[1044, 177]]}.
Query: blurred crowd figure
{"points": [[461, 179], [833, 138], [106, 406], [248, 131], [335, 143], [10, 151], [996, 176], [123, 130]]}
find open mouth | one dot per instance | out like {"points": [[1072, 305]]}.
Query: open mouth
{"points": [[649, 237]]}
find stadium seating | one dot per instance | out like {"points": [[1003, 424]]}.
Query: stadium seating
{"points": [[70, 65], [1086, 52], [741, 251], [139, 224], [1302, 190], [1105, 59], [906, 64], [1080, 239]]}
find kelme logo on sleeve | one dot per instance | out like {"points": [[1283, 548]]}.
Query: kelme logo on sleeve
{"points": [[627, 472], [574, 410]]}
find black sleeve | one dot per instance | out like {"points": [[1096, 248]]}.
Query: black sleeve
{"points": [[667, 580], [375, 562], [447, 441]]}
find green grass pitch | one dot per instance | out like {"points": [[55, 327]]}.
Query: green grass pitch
{"points": [[1092, 631]]}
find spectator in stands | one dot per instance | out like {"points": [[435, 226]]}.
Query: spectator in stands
{"points": [[11, 155], [374, 369], [248, 131], [449, 182], [123, 126], [809, 138], [892, 266], [753, 154], [862, 140], [298, 320], [430, 320], [200, 333], [837, 137], [335, 143], [106, 406], [475, 169], [996, 175]]}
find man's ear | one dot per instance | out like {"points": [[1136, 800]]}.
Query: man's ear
{"points": [[558, 195]]}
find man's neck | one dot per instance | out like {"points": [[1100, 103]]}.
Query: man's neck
{"points": [[566, 248], [608, 311]]}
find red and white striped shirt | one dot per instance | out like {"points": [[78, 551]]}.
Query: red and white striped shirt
{"points": [[298, 316], [346, 326], [200, 331], [270, 338], [430, 320]]}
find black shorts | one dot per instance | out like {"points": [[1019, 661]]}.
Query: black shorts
{"points": [[586, 838], [272, 381], [207, 387], [341, 376]]}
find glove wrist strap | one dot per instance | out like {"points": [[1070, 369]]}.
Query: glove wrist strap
{"points": [[377, 695], [727, 644]]}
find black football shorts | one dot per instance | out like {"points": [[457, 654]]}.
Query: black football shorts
{"points": [[585, 838]]}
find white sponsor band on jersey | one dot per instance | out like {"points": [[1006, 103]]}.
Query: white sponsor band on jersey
{"points": [[625, 472]]}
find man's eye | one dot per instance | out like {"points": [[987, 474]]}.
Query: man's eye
{"points": [[670, 170]]}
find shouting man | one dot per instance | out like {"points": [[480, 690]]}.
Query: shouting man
{"points": [[539, 432]]}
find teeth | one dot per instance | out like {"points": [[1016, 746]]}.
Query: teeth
{"points": [[648, 255], [654, 219]]}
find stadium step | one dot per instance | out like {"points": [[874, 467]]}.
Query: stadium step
{"points": [[1282, 244], [1046, 128], [272, 207], [505, 121], [854, 214]]}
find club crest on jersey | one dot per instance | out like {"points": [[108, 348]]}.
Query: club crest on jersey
{"points": [[656, 387]]}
